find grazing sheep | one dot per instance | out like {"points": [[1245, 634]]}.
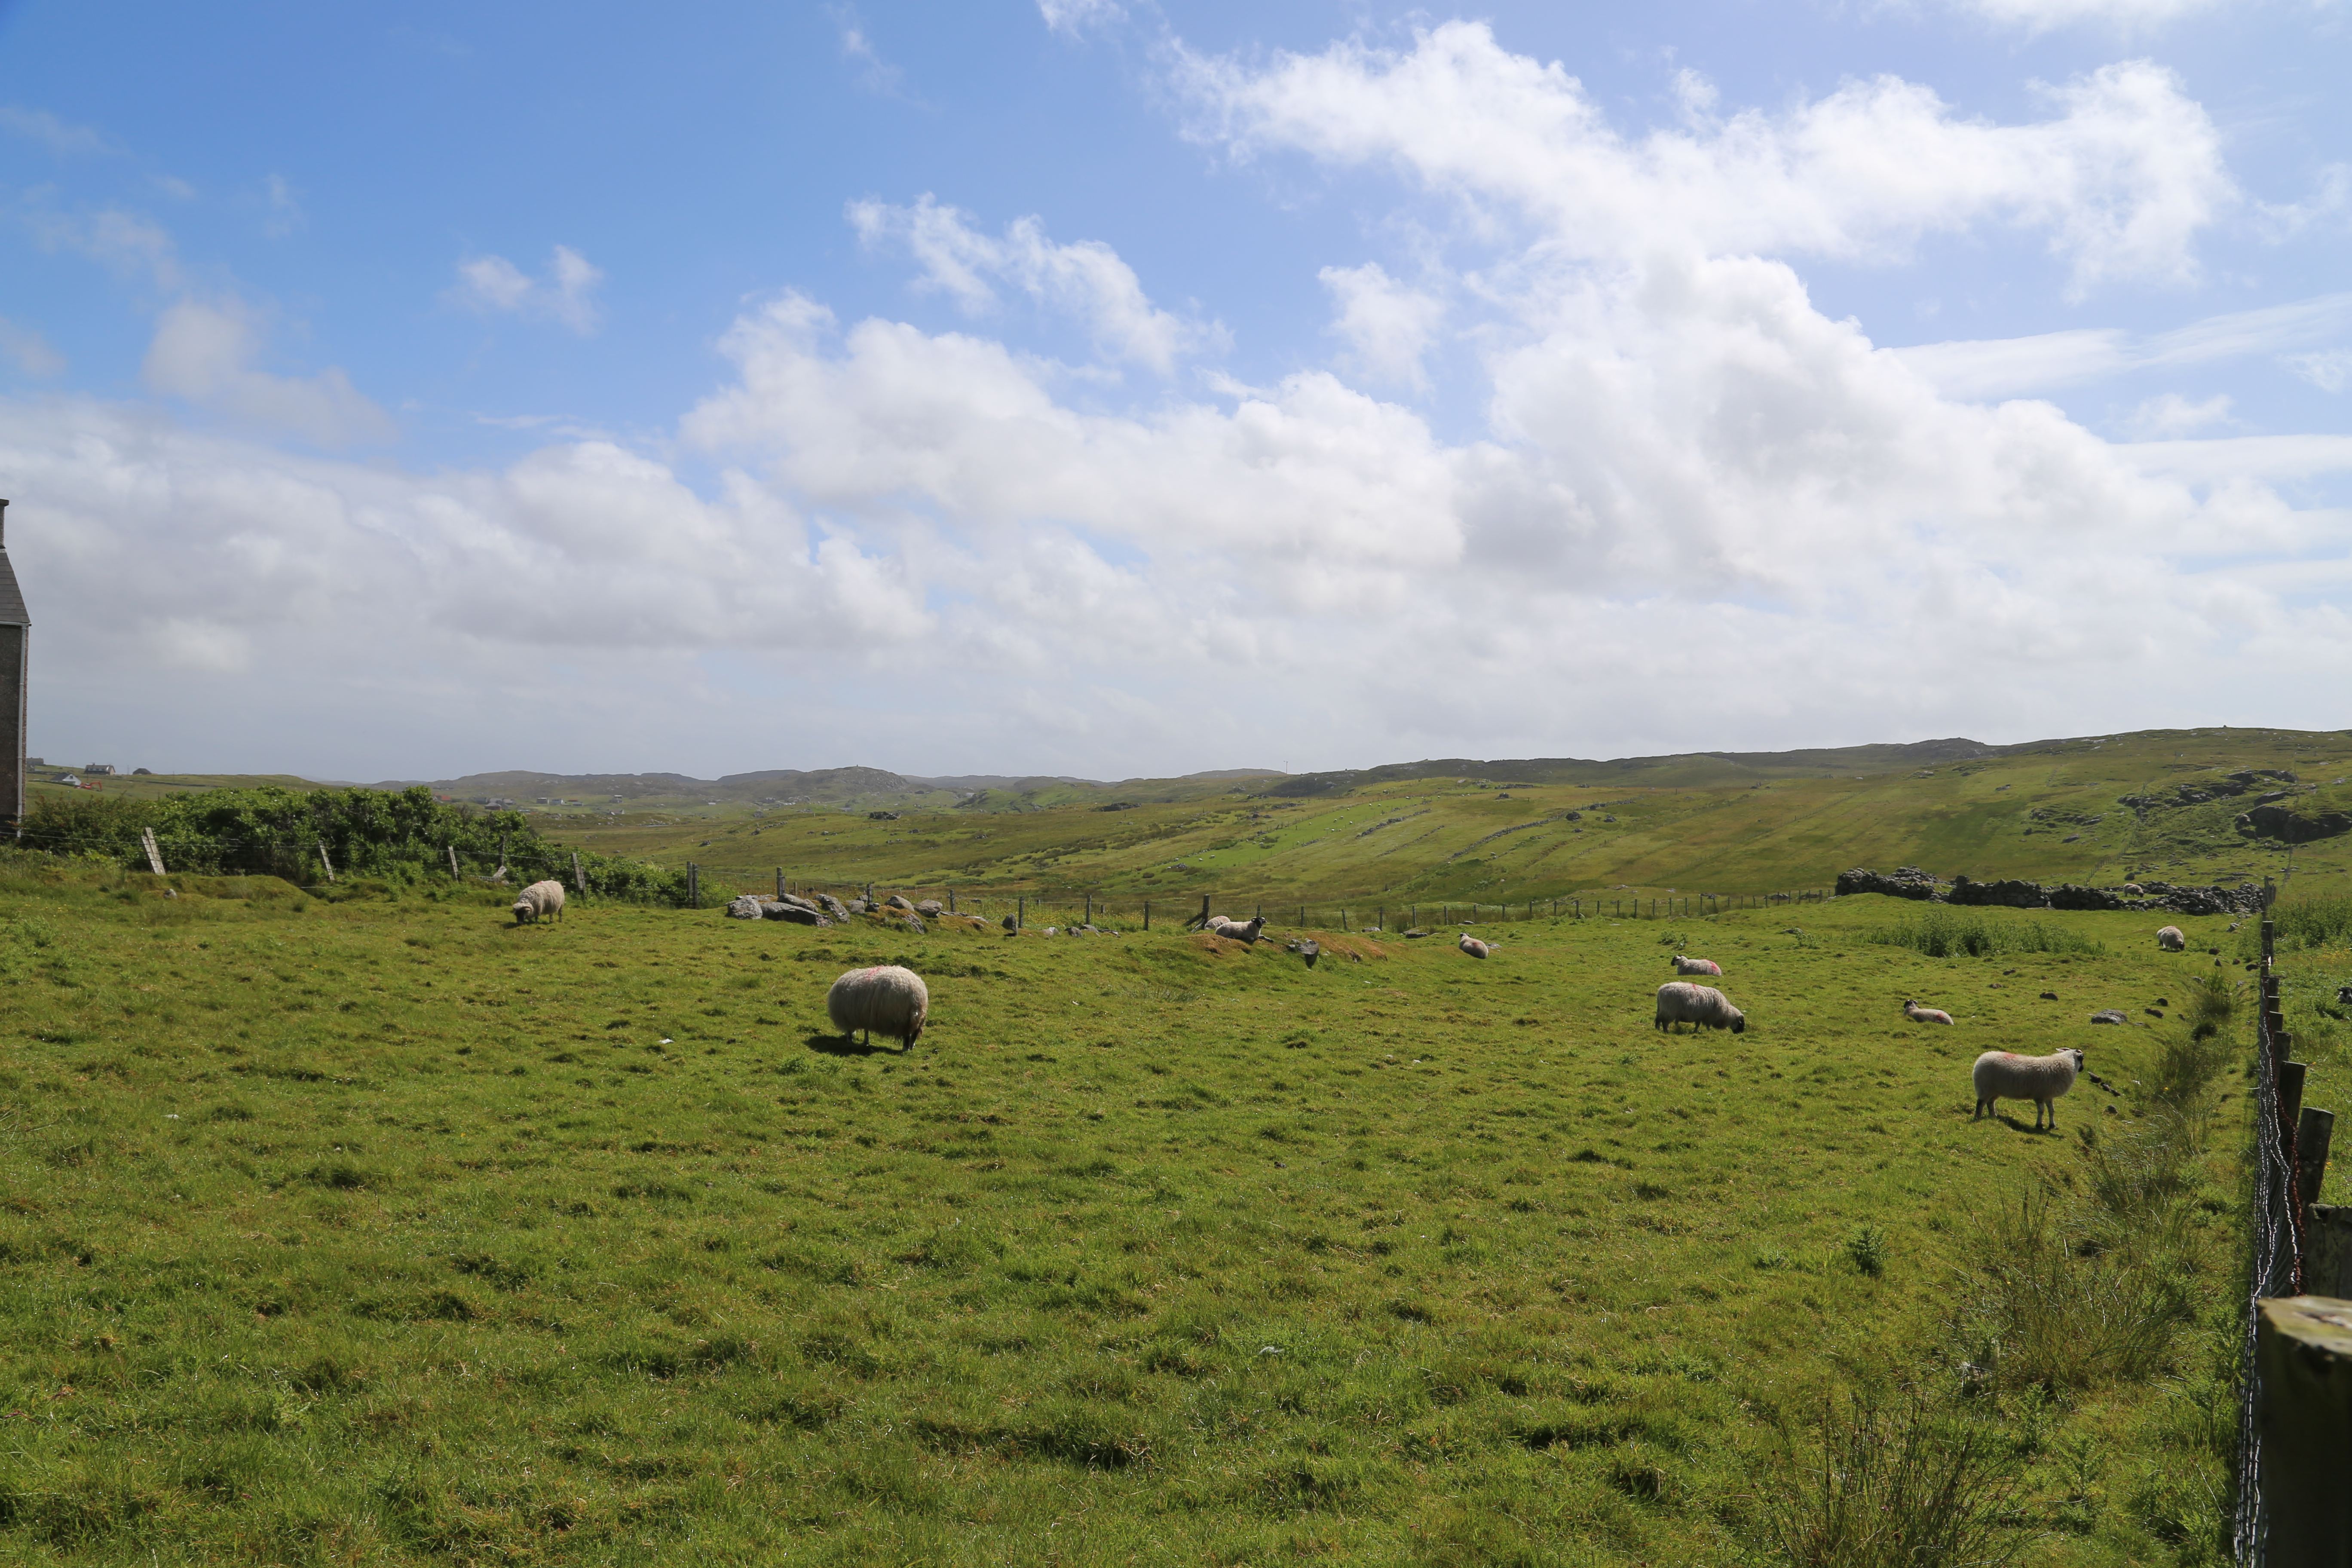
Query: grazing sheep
{"points": [[884, 1000], [1239, 930], [2005, 1075], [1680, 1001], [1695, 965], [1474, 947], [1918, 1015], [2171, 940], [540, 901]]}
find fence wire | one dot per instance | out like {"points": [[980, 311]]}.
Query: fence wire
{"points": [[2275, 1232]]}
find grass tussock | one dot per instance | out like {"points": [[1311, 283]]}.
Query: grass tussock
{"points": [[1895, 1479], [1947, 934]]}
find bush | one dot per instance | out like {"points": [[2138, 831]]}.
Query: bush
{"points": [[2071, 1307], [1941, 933], [2302, 924]]}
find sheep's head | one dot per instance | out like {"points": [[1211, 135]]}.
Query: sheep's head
{"points": [[524, 910], [1739, 1023], [2075, 1054]]}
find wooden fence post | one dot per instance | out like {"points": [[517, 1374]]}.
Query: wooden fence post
{"points": [[693, 886], [2303, 1357], [330, 865], [1090, 909], [952, 908], [2314, 1130], [154, 856], [1147, 914], [501, 871], [1020, 913], [579, 880], [451, 849]]}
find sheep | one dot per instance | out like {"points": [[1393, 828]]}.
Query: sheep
{"points": [[2171, 940], [541, 901], [1680, 1001], [1474, 947], [1239, 930], [884, 1000], [1918, 1015], [1695, 965], [2005, 1075]]}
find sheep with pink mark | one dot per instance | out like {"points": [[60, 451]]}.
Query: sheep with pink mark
{"points": [[1683, 965], [1918, 1015]]}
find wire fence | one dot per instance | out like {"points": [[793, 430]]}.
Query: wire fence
{"points": [[1086, 906], [2275, 1266]]}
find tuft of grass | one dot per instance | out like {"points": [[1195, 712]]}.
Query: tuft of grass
{"points": [[1893, 1478], [1946, 933]]}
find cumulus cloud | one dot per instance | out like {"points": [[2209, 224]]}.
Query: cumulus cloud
{"points": [[61, 137], [2121, 181], [205, 352], [1085, 279], [124, 242], [566, 293], [2132, 16], [1386, 325], [2327, 369]]}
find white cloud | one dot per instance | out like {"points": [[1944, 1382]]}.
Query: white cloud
{"points": [[282, 208], [125, 243], [60, 137], [566, 294], [1386, 325], [2131, 17], [1085, 279], [31, 350], [1072, 17], [2170, 416], [2121, 181], [204, 353], [2328, 370], [1995, 367], [876, 74]]}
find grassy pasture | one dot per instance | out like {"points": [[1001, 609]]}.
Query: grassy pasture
{"points": [[383, 1231]]}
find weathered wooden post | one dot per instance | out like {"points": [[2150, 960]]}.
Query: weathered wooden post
{"points": [[1020, 913], [452, 851], [154, 854], [1090, 908], [328, 864], [693, 886], [2315, 1129], [16, 636], [1147, 914], [2302, 1358], [580, 878]]}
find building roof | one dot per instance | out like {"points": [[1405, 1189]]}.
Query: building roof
{"points": [[12, 598]]}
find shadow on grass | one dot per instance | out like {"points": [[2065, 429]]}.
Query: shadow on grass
{"points": [[846, 1046]]}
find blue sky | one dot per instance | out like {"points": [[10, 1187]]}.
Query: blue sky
{"points": [[1123, 389]]}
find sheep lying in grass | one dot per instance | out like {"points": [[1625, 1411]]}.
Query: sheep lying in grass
{"points": [[2005, 1075], [1680, 1001], [1918, 1015], [1474, 947], [540, 901], [1695, 965], [2171, 940], [1238, 931], [884, 1000]]}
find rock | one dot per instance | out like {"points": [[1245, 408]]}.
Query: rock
{"points": [[796, 914], [931, 907], [899, 901], [834, 906], [914, 922], [2050, 995], [1310, 951], [860, 907], [1904, 882], [2075, 896], [2109, 1016], [2266, 821], [746, 908], [1411, 935], [1011, 924], [2010, 893]]}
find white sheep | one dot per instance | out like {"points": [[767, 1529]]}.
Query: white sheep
{"points": [[1695, 965], [1918, 1015], [884, 1000], [1474, 947], [1238, 931], [1680, 1001], [540, 901], [2005, 1075], [2171, 940]]}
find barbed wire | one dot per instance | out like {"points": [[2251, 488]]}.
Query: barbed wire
{"points": [[2276, 1263]]}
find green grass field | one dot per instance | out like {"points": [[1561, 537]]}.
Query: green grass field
{"points": [[382, 1231]]}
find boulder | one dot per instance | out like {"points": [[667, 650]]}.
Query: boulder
{"points": [[2075, 896], [797, 914], [2109, 1016], [931, 907], [1011, 924], [746, 908], [899, 901], [2269, 821]]}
